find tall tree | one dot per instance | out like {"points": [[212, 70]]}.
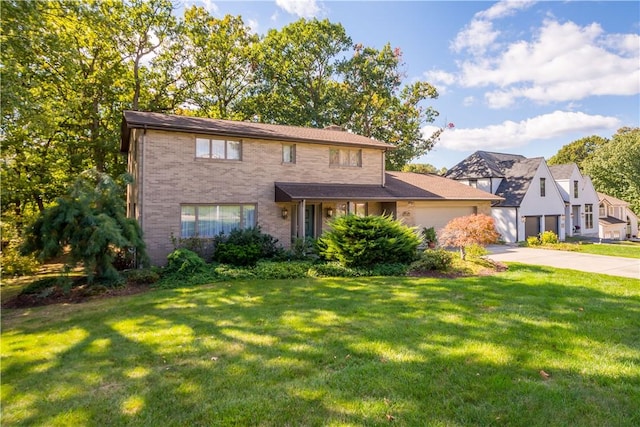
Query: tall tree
{"points": [[614, 167], [578, 151], [222, 59], [297, 68]]}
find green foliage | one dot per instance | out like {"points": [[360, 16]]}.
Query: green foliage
{"points": [[90, 221], [335, 269], [281, 270], [184, 261], [146, 276], [549, 238], [302, 249], [246, 247], [476, 251], [397, 269], [615, 167], [432, 259], [578, 151], [429, 235], [533, 241], [13, 263], [366, 241], [204, 247], [423, 168]]}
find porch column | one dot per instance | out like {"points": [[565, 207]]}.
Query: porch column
{"points": [[301, 219]]}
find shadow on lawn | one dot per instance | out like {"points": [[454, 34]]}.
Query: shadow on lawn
{"points": [[356, 351]]}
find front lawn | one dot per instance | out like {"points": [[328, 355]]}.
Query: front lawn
{"points": [[531, 346], [624, 249]]}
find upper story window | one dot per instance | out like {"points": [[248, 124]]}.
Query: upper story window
{"points": [[345, 157], [209, 148], [543, 189], [602, 211], [288, 153], [575, 189], [473, 183]]}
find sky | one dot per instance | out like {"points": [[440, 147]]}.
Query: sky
{"points": [[520, 77]]}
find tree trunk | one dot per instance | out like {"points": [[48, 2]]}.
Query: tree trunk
{"points": [[463, 254]]}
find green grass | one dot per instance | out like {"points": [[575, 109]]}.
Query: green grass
{"points": [[622, 249], [336, 352]]}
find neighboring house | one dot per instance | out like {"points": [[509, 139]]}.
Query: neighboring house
{"points": [[617, 221], [580, 200], [531, 203], [198, 177]]}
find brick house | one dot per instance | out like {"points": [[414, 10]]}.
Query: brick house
{"points": [[199, 177]]}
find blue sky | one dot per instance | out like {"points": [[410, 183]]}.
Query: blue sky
{"points": [[520, 77]]}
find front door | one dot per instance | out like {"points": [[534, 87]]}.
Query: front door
{"points": [[309, 221]]}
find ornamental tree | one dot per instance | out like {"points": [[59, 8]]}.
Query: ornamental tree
{"points": [[469, 230], [91, 222]]}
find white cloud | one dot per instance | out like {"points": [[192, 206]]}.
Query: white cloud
{"points": [[468, 101], [504, 8], [476, 37], [253, 25], [510, 134], [302, 8]]}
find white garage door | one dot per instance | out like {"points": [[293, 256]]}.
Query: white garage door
{"points": [[438, 217]]}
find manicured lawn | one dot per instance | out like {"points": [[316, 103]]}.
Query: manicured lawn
{"points": [[622, 249], [338, 352]]}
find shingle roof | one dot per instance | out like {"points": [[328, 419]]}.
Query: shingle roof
{"points": [[483, 164], [518, 177], [609, 220], [562, 171], [239, 129], [399, 186], [612, 200]]}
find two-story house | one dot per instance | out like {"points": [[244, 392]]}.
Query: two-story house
{"points": [[531, 203], [199, 177], [617, 221], [580, 199]]}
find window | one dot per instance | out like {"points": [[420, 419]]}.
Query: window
{"points": [[345, 157], [588, 216], [575, 189], [218, 149], [473, 183], [543, 190], [360, 209], [355, 208], [288, 153], [212, 220], [602, 211]]}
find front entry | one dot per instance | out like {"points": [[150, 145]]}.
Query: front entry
{"points": [[310, 221]]}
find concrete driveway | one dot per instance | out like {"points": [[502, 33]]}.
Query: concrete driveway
{"points": [[615, 266]]}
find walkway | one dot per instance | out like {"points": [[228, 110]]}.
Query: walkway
{"points": [[615, 266]]}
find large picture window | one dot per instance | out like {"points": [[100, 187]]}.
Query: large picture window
{"points": [[222, 149], [345, 157], [212, 220]]}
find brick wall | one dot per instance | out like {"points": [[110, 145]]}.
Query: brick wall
{"points": [[168, 175]]}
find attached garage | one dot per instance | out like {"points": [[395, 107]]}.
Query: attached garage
{"points": [[428, 215], [551, 223], [531, 226]]}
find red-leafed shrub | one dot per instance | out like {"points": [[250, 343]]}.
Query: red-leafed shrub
{"points": [[469, 230]]}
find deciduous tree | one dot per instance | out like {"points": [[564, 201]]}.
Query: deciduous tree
{"points": [[465, 231]]}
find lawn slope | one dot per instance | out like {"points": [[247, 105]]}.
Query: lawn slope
{"points": [[531, 346]]}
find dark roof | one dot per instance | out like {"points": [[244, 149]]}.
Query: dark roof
{"points": [[238, 129], [518, 177], [399, 186], [609, 220], [562, 171], [483, 164]]}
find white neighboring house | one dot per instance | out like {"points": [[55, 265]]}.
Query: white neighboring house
{"points": [[532, 201], [580, 200], [617, 221]]}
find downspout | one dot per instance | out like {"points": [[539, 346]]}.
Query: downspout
{"points": [[142, 181], [517, 226], [384, 152]]}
